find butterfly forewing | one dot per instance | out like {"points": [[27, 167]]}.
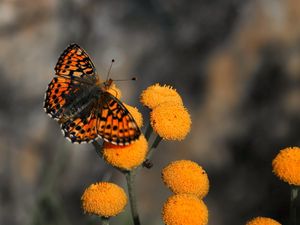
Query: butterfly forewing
{"points": [[75, 62], [55, 99], [83, 128]]}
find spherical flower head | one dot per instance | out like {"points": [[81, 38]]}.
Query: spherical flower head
{"points": [[262, 221], [126, 157], [157, 94], [184, 209], [137, 116], [170, 121], [104, 199], [115, 91], [286, 165], [186, 177]]}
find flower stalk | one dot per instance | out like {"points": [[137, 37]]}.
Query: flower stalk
{"points": [[165, 129], [98, 148], [148, 132], [293, 208], [105, 220], [130, 175], [154, 146]]}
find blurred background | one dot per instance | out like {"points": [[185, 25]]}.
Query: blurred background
{"points": [[236, 64]]}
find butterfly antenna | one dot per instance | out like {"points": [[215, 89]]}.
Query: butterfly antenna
{"points": [[133, 78], [112, 61]]}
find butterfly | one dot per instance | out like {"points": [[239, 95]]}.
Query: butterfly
{"points": [[82, 105]]}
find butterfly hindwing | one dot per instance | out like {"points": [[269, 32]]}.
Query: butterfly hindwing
{"points": [[81, 129], [115, 124]]}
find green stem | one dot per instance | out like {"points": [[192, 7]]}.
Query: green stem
{"points": [[132, 198], [98, 148], [105, 221], [147, 162], [293, 209], [148, 131], [130, 177], [154, 146]]}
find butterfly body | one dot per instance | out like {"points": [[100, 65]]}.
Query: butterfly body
{"points": [[82, 105], [79, 101]]}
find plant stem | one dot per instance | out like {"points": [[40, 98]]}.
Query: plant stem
{"points": [[105, 221], [98, 148], [293, 209], [132, 198], [148, 131], [154, 146]]}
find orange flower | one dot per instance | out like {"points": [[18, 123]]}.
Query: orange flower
{"points": [[157, 94], [262, 221], [104, 199], [170, 121], [184, 209], [186, 177], [126, 157], [286, 165]]}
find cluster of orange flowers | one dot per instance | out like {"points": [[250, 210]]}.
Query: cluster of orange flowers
{"points": [[186, 179], [189, 183], [286, 166], [168, 118]]}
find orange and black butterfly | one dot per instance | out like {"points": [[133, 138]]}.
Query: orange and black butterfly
{"points": [[82, 105]]}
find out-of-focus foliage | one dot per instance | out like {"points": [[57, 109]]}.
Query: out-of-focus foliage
{"points": [[235, 63]]}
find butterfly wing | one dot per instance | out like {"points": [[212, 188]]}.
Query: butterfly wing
{"points": [[74, 63], [55, 97], [108, 118], [83, 128], [114, 122], [74, 69]]}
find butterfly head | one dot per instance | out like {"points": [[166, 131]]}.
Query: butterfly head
{"points": [[108, 83]]}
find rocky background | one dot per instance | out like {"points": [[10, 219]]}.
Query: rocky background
{"points": [[236, 64]]}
